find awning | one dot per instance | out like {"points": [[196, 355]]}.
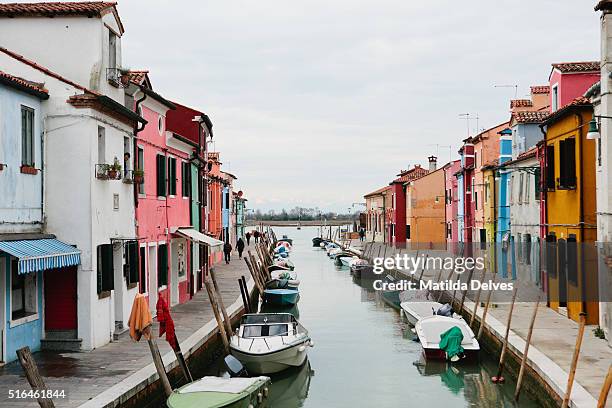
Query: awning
{"points": [[196, 236], [39, 254]]}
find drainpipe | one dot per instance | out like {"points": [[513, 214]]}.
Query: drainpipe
{"points": [[581, 212]]}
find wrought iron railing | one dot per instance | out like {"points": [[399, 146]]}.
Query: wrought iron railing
{"points": [[107, 172], [133, 176]]}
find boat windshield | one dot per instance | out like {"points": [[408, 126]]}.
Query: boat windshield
{"points": [[265, 330], [267, 318]]}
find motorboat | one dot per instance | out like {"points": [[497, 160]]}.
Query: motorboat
{"points": [[316, 241], [417, 310], [361, 268], [285, 239], [391, 297], [430, 331], [222, 392], [286, 275], [345, 259], [267, 343], [282, 263], [281, 296]]}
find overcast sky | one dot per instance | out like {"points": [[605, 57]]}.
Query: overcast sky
{"points": [[316, 103]]}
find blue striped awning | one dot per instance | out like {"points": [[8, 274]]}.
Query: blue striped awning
{"points": [[39, 254]]}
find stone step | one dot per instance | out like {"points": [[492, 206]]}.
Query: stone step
{"points": [[61, 344], [119, 331]]}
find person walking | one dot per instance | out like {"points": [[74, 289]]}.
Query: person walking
{"points": [[240, 247], [227, 250], [256, 235], [361, 234], [248, 237]]}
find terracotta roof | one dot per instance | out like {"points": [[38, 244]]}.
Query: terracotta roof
{"points": [[52, 9], [604, 5], [138, 76], [530, 116], [408, 175], [378, 192], [583, 66], [540, 89], [24, 85], [576, 103], [520, 103]]}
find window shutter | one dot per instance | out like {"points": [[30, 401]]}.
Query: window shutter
{"points": [[570, 151], [105, 268], [537, 183], [550, 167], [161, 176], [132, 261], [162, 265]]}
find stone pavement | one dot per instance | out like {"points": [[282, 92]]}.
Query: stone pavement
{"points": [[86, 374]]}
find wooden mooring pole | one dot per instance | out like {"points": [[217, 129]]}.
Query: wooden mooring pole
{"points": [[477, 298], [572, 373], [213, 303], [157, 361], [500, 369], [244, 295], [486, 310], [34, 378], [605, 389], [519, 380], [219, 298]]}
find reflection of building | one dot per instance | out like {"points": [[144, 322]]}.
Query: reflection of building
{"points": [[571, 215]]}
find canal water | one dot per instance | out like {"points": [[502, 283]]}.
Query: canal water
{"points": [[364, 354]]}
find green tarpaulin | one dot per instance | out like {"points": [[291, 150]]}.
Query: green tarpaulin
{"points": [[450, 342]]}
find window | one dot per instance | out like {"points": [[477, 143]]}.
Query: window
{"points": [[140, 167], [227, 200], [162, 265], [186, 179], [483, 238], [24, 301], [407, 231], [143, 270], [160, 125], [536, 182], [486, 192], [112, 50], [527, 249], [475, 159], [555, 98], [520, 247], [511, 188], [473, 189], [130, 268], [551, 257], [527, 188], [449, 230], [161, 175], [520, 188], [172, 176], [476, 199], [550, 167], [572, 260], [567, 164], [105, 268], [101, 145], [27, 136]]}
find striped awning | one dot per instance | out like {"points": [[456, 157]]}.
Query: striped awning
{"points": [[36, 255]]}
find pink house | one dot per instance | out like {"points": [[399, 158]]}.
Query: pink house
{"points": [[569, 80], [451, 201], [163, 204]]}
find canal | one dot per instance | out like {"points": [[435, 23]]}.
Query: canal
{"points": [[365, 355]]}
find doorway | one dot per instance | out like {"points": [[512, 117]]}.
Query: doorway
{"points": [[153, 279], [60, 289]]}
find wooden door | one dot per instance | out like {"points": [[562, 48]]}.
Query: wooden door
{"points": [[61, 298]]}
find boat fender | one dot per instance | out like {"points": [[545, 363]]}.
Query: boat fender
{"points": [[301, 348], [266, 391], [311, 343], [259, 397]]}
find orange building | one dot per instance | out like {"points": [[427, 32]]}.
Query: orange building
{"points": [[425, 208], [571, 212]]}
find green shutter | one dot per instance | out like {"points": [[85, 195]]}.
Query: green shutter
{"points": [[105, 268], [132, 261], [161, 176], [162, 265]]}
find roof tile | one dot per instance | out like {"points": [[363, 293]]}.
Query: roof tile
{"points": [[540, 89], [530, 116], [34, 86], [55, 8], [583, 66], [520, 103]]}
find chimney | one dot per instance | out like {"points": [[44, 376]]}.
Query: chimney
{"points": [[433, 160]]}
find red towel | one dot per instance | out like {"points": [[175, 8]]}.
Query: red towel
{"points": [[166, 324]]}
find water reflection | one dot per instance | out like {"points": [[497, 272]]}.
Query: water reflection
{"points": [[267, 308], [290, 387]]}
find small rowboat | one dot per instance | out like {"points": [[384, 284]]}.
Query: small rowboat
{"points": [[221, 392], [430, 329], [281, 297]]}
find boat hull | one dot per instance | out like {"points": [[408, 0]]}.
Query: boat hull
{"points": [[435, 354], [247, 397], [273, 362], [281, 297]]}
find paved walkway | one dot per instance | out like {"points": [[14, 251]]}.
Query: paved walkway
{"points": [[85, 375]]}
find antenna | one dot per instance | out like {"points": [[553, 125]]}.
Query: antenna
{"points": [[509, 86]]}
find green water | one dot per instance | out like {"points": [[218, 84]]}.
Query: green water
{"points": [[364, 355]]}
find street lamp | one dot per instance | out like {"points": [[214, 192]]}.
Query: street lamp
{"points": [[593, 130]]}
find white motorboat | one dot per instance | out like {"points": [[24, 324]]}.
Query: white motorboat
{"points": [[417, 310], [267, 343], [429, 329], [290, 276]]}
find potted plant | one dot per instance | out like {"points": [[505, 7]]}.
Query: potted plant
{"points": [[114, 169], [138, 176], [124, 76]]}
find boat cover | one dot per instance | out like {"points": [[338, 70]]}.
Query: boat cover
{"points": [[220, 384], [450, 342]]}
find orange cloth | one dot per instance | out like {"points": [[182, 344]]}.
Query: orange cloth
{"points": [[140, 318]]}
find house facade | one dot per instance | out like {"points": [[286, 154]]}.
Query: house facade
{"points": [[451, 201], [427, 215], [375, 210]]}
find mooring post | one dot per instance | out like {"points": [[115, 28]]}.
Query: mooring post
{"points": [[219, 298], [254, 275], [572, 373], [157, 361], [519, 380], [486, 310], [605, 389], [34, 378], [213, 303], [243, 294], [477, 298], [499, 377]]}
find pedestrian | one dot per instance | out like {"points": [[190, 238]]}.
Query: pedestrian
{"points": [[227, 250], [361, 234], [240, 247], [256, 235], [248, 237]]}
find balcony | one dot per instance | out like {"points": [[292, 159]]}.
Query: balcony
{"points": [[117, 77], [108, 172], [133, 176]]}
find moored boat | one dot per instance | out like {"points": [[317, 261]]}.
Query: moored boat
{"points": [[391, 297], [446, 338], [417, 310], [316, 241], [222, 392], [281, 297], [267, 343]]}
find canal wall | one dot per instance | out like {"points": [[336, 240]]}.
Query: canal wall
{"points": [[202, 348]]}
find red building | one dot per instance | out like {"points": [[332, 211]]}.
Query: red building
{"points": [[397, 212], [451, 200]]}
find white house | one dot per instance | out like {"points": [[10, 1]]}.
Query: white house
{"points": [[86, 132]]}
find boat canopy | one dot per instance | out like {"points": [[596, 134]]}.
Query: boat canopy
{"points": [[265, 330], [267, 318]]}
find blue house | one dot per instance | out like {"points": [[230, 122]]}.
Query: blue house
{"points": [[26, 253], [502, 235]]}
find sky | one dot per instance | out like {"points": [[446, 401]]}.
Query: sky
{"points": [[316, 103]]}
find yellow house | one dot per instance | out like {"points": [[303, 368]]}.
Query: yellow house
{"points": [[490, 210], [571, 211]]}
